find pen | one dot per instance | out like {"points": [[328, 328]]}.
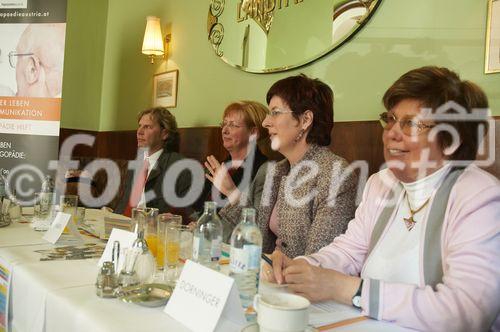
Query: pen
{"points": [[267, 259]]}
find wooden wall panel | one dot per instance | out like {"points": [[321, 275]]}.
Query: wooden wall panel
{"points": [[360, 140], [80, 150], [198, 143]]}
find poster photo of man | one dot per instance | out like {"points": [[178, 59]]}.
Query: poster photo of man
{"points": [[32, 64]]}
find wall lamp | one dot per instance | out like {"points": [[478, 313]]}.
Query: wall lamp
{"points": [[154, 45]]}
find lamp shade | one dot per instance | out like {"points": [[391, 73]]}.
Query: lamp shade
{"points": [[153, 41]]}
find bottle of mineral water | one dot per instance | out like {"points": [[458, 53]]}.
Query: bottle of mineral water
{"points": [[246, 248], [4, 217], [3, 188], [207, 238], [46, 198]]}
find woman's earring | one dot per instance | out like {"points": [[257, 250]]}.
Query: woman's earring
{"points": [[299, 136]]}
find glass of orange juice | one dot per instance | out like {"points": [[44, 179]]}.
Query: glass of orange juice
{"points": [[165, 220], [172, 245], [151, 231], [160, 250]]}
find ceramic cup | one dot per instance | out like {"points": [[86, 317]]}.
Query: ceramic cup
{"points": [[280, 312]]}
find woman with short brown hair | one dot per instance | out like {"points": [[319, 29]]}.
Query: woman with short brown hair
{"points": [[423, 249], [304, 201]]}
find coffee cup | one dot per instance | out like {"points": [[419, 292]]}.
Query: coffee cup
{"points": [[281, 312]]}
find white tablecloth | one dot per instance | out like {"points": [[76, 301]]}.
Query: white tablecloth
{"points": [[16, 235], [59, 296]]}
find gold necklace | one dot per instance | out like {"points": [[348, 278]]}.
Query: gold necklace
{"points": [[410, 222]]}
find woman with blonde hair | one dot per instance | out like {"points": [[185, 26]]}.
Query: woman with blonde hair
{"points": [[244, 138]]}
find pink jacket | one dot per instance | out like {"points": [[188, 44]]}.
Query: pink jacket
{"points": [[468, 298]]}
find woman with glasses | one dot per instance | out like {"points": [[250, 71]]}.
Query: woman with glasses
{"points": [[244, 138], [423, 248], [304, 201]]}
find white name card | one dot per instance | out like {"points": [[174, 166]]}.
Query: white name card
{"points": [[57, 227], [211, 295], [126, 239]]}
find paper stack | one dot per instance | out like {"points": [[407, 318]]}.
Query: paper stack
{"points": [[114, 220], [100, 222]]}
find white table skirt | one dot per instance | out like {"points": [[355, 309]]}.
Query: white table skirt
{"points": [[80, 310], [59, 296]]}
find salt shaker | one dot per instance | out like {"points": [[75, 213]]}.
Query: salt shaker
{"points": [[106, 281]]}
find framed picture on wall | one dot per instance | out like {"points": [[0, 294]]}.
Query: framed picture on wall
{"points": [[492, 59], [165, 89]]}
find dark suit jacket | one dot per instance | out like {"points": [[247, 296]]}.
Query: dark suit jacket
{"points": [[155, 182]]}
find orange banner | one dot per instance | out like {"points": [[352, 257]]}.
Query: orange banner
{"points": [[29, 108]]}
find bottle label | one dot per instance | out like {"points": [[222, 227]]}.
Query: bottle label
{"points": [[196, 247], [215, 249], [45, 199], [247, 258], [238, 260], [254, 253]]}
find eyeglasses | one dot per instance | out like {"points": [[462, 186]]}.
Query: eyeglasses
{"points": [[13, 57], [277, 111], [409, 125], [229, 124]]}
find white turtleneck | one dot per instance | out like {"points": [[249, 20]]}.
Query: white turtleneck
{"points": [[396, 257]]}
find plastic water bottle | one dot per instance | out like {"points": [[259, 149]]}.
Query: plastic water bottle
{"points": [[15, 208], [4, 216], [47, 185], [3, 187], [246, 248], [207, 238], [46, 198]]}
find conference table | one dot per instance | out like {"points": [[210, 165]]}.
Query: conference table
{"points": [[60, 295]]}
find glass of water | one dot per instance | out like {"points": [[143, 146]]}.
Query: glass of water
{"points": [[69, 204]]}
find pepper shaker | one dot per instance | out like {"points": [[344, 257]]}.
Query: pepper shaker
{"points": [[107, 281]]}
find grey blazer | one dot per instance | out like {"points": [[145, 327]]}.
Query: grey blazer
{"points": [[304, 226]]}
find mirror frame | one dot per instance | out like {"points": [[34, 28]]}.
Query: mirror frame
{"points": [[216, 34]]}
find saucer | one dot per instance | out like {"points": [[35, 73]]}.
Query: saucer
{"points": [[255, 328], [148, 295]]}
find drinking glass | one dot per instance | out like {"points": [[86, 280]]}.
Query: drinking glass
{"points": [[151, 231], [138, 220], [69, 204], [43, 205], [169, 218], [80, 213], [165, 220], [186, 243], [160, 250], [172, 245]]}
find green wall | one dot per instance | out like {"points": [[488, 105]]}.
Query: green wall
{"points": [[400, 36], [83, 63]]}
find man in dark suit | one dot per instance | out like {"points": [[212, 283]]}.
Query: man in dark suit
{"points": [[158, 136]]}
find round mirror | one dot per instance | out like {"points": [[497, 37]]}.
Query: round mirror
{"points": [[262, 36]]}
